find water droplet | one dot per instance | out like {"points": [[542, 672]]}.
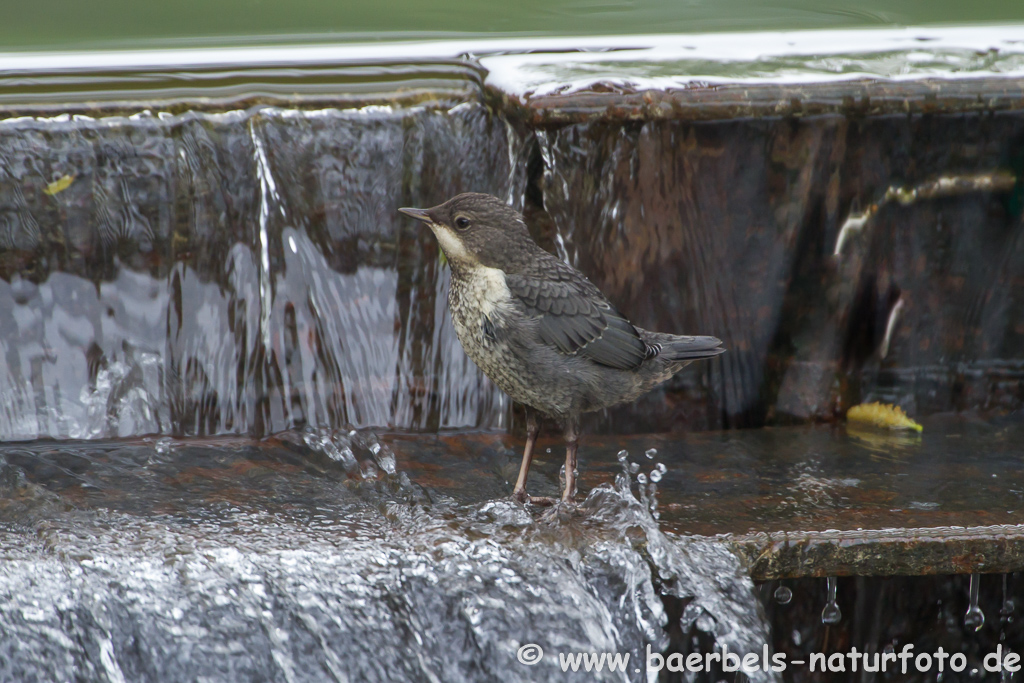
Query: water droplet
{"points": [[634, 467], [975, 618], [384, 457], [831, 614], [1008, 604], [655, 475], [369, 470], [622, 455], [641, 478], [783, 595], [651, 452], [706, 623]]}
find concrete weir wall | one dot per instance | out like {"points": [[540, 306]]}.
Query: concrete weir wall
{"points": [[853, 254], [234, 263], [216, 253], [236, 272]]}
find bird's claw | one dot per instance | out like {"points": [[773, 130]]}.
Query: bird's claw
{"points": [[525, 498]]}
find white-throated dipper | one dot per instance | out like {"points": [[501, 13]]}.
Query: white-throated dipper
{"points": [[540, 329]]}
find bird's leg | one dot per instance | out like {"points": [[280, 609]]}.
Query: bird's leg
{"points": [[532, 429], [572, 439]]}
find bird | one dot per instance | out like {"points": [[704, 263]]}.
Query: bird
{"points": [[540, 330]]}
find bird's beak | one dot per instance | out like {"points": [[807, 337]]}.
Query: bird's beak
{"points": [[418, 214]]}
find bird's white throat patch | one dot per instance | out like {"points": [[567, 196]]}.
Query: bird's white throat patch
{"points": [[451, 244], [489, 290], [484, 287]]}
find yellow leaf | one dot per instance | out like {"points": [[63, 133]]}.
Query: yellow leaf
{"points": [[59, 185], [882, 415], [884, 442]]}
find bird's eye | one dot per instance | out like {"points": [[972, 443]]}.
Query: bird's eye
{"points": [[461, 222]]}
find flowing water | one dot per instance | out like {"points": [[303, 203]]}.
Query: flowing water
{"points": [[311, 557], [237, 272]]}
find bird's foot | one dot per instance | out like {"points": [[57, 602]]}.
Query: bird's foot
{"points": [[525, 498], [560, 511], [521, 496]]}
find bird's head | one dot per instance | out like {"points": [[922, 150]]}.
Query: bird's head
{"points": [[477, 229]]}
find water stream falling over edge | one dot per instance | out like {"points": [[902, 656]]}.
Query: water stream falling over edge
{"points": [[341, 571]]}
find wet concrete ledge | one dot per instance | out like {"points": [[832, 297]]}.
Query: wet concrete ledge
{"points": [[710, 102], [883, 552], [793, 502]]}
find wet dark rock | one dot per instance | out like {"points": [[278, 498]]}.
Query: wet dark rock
{"points": [[794, 501]]}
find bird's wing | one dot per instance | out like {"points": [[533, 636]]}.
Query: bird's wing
{"points": [[576, 319]]}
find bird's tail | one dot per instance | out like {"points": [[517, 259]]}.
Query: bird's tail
{"points": [[674, 347]]}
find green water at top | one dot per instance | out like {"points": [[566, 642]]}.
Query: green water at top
{"points": [[98, 24]]}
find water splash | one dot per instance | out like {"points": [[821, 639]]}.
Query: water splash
{"points": [[319, 567]]}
